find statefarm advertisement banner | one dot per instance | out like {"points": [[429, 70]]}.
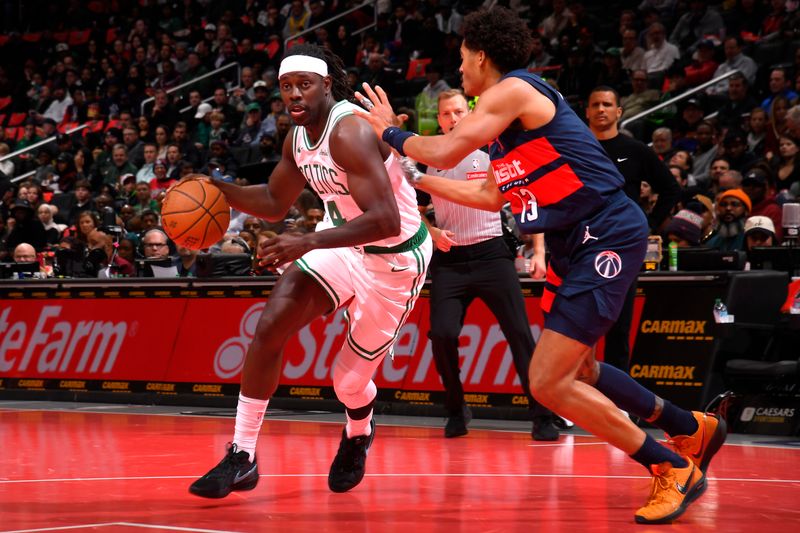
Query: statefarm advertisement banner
{"points": [[204, 340]]}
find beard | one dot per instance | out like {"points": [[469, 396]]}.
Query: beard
{"points": [[731, 229]]}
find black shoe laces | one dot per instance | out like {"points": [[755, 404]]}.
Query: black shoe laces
{"points": [[232, 463]]}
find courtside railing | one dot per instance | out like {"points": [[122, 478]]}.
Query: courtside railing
{"points": [[236, 67], [677, 99], [343, 14]]}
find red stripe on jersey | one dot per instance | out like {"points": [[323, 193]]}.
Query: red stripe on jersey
{"points": [[552, 278], [555, 186], [547, 300], [524, 159]]}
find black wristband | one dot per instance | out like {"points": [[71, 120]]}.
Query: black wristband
{"points": [[395, 137]]}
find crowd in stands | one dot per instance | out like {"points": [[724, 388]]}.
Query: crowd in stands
{"points": [[113, 67]]}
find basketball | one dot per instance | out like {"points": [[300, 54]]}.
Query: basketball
{"points": [[195, 213]]}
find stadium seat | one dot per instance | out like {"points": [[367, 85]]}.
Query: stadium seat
{"points": [[79, 37], [4, 102], [60, 36], [32, 37], [16, 119]]}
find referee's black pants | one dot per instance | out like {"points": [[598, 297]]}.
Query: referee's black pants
{"points": [[484, 270]]}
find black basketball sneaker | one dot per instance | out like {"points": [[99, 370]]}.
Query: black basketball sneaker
{"points": [[347, 469], [234, 472]]}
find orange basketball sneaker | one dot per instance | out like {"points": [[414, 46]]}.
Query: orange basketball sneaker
{"points": [[706, 441], [672, 491]]}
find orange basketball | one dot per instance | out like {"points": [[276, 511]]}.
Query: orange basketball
{"points": [[195, 213]]}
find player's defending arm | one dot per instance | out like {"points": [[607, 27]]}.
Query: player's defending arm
{"points": [[480, 194], [273, 200], [510, 100]]}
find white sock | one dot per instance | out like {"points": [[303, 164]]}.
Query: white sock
{"points": [[359, 427], [249, 416]]}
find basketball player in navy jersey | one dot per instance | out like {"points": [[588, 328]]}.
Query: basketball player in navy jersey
{"points": [[560, 181]]}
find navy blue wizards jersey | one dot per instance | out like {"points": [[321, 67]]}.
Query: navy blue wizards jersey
{"points": [[556, 175]]}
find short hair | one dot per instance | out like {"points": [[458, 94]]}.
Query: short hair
{"points": [[606, 89], [501, 35], [450, 93]]}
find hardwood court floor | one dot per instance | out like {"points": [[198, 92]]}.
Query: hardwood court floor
{"points": [[72, 468]]}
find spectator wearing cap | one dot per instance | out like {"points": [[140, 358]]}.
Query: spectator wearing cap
{"points": [[202, 125], [250, 130], [65, 174], [685, 127], [779, 84], [703, 65], [685, 229], [261, 96], [734, 60], [126, 189], [26, 227], [759, 231], [735, 150], [733, 207], [756, 185], [79, 201], [219, 150], [276, 109]]}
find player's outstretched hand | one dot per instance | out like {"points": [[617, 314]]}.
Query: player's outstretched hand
{"points": [[282, 249], [410, 171], [380, 114]]}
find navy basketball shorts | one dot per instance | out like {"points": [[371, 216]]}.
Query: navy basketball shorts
{"points": [[591, 269]]}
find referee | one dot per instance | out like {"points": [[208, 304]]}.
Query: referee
{"points": [[637, 162], [471, 260]]}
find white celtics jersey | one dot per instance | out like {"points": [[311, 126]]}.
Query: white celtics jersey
{"points": [[329, 180]]}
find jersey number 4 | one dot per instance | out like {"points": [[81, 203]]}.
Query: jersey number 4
{"points": [[333, 211]]}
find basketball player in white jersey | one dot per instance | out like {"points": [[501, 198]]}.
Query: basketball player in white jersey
{"points": [[370, 255]]}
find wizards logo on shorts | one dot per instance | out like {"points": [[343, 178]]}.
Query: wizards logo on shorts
{"points": [[608, 264]]}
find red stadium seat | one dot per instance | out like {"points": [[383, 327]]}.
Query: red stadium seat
{"points": [[11, 133], [79, 38], [111, 35], [4, 39], [32, 37], [416, 68], [2, 120], [61, 36], [16, 119], [4, 101]]}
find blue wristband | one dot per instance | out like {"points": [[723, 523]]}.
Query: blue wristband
{"points": [[395, 137]]}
